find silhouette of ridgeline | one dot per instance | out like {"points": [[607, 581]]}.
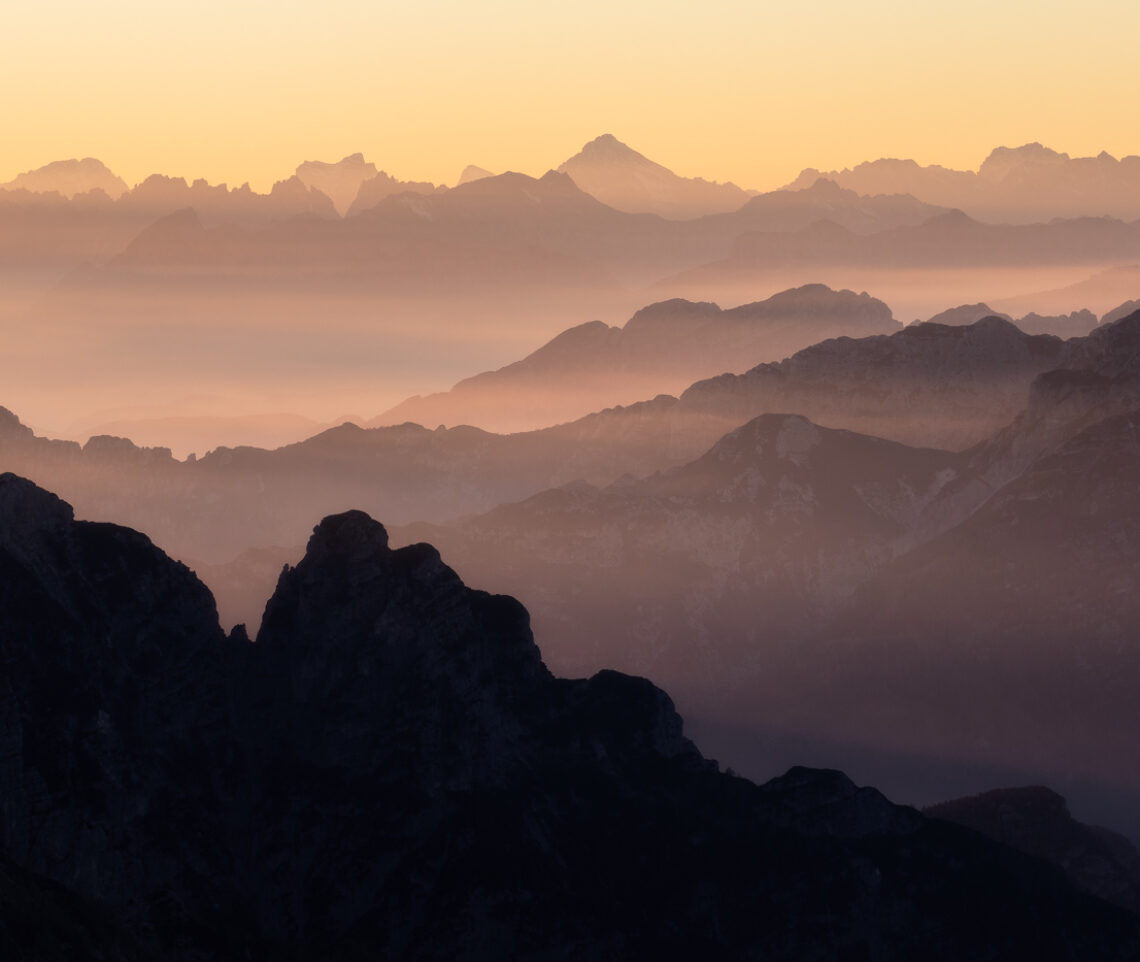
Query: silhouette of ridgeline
{"points": [[391, 771]]}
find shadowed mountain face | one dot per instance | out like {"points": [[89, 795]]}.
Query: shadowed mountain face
{"points": [[1016, 185], [662, 349], [391, 771], [1037, 821], [624, 179]]}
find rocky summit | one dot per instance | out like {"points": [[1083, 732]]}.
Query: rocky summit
{"points": [[389, 771]]}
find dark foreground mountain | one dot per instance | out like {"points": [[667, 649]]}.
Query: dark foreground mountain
{"points": [[1037, 821], [392, 772]]}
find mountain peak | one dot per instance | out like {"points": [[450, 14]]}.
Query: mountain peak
{"points": [[472, 172], [608, 149], [347, 532]]}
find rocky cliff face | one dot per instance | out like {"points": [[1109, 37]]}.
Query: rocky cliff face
{"points": [[390, 771]]}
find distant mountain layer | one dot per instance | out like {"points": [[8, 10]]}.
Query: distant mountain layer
{"points": [[391, 771], [1019, 185], [661, 349], [1075, 324], [68, 178], [944, 241], [340, 182], [927, 385], [622, 178]]}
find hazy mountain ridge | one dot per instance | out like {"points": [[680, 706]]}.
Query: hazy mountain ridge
{"points": [[662, 349], [236, 827], [68, 178], [626, 180], [945, 240], [928, 385], [1022, 184]]}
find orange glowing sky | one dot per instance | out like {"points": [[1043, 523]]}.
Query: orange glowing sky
{"points": [[726, 89]]}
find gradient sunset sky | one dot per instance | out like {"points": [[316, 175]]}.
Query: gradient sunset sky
{"points": [[243, 90]]}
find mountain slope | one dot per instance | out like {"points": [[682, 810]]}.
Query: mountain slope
{"points": [[626, 180], [662, 349], [391, 771]]}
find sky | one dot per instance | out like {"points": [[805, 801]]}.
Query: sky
{"points": [[244, 90]]}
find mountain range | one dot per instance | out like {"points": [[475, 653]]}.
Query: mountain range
{"points": [[661, 349], [974, 608], [1024, 184], [860, 552], [391, 770]]}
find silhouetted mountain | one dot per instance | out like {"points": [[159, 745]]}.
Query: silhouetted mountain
{"points": [[796, 210], [470, 173], [68, 178], [622, 178], [662, 349], [1075, 324], [984, 603], [374, 190], [201, 433], [1019, 185], [1101, 292], [967, 314], [780, 519], [928, 385], [391, 771], [1117, 313], [340, 181], [1037, 821]]}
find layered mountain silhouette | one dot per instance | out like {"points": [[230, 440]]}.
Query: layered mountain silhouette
{"points": [[1018, 185], [624, 179], [68, 178], [928, 385], [661, 349], [1073, 324], [472, 172], [340, 181], [975, 608], [945, 240], [391, 770]]}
